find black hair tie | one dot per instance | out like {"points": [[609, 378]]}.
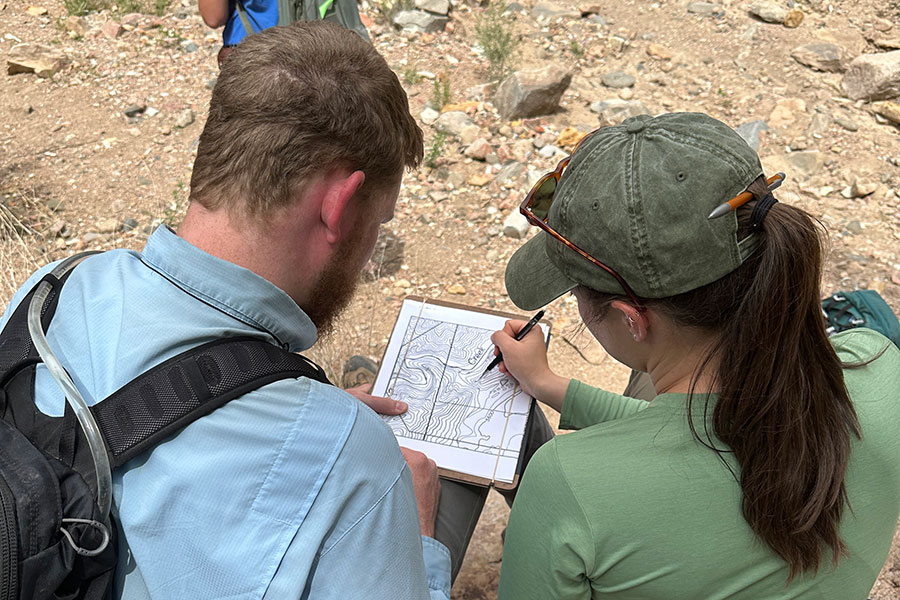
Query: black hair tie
{"points": [[761, 209]]}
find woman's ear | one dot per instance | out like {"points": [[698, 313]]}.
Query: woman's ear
{"points": [[638, 321]]}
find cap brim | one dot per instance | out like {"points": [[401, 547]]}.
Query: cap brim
{"points": [[532, 280]]}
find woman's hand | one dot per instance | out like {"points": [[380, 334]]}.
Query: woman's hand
{"points": [[526, 361]]}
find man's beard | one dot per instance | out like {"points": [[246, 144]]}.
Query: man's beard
{"points": [[333, 291]]}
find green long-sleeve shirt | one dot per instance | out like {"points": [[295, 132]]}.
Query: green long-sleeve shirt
{"points": [[632, 506]]}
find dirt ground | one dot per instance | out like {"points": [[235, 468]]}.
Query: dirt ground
{"points": [[77, 173]]}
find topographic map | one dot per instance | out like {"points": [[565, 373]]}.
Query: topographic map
{"points": [[465, 422], [449, 402]]}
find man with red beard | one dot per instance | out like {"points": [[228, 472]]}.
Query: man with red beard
{"points": [[295, 490]]}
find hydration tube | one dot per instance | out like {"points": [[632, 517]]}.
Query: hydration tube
{"points": [[73, 396]]}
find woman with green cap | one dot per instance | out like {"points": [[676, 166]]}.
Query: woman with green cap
{"points": [[767, 464]]}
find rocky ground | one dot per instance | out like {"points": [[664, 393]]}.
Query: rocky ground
{"points": [[97, 143]]}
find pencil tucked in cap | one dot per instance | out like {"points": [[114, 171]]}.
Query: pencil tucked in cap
{"points": [[636, 197]]}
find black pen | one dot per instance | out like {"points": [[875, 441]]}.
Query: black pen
{"points": [[522, 333]]}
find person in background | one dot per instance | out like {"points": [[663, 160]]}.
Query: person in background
{"points": [[767, 462], [260, 15], [246, 17]]}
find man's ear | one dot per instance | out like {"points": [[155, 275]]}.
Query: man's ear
{"points": [[638, 321], [339, 189]]}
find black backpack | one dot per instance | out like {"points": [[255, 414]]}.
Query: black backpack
{"points": [[342, 12], [55, 541]]}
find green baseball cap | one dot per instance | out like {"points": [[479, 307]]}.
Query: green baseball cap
{"points": [[636, 197]]}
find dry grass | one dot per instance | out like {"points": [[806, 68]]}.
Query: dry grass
{"points": [[19, 235]]}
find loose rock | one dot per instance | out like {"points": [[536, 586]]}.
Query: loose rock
{"points": [[548, 10], [515, 225], [888, 110], [479, 149], [802, 164], [616, 110], [793, 18], [822, 56], [183, 118], [429, 115], [770, 12], [751, 131], [43, 61], [784, 112], [76, 25], [111, 29], [860, 189], [453, 123], [706, 9], [437, 7], [617, 79], [659, 51], [531, 93], [135, 110], [846, 123], [510, 172], [419, 20], [873, 77]]}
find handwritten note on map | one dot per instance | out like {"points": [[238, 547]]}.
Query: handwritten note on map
{"points": [[464, 422]]}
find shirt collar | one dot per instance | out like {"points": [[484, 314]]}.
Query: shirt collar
{"points": [[234, 290]]}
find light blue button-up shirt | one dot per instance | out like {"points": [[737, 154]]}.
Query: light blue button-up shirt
{"points": [[295, 490]]}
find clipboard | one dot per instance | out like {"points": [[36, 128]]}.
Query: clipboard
{"points": [[436, 350]]}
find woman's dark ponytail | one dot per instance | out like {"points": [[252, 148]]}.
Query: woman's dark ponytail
{"points": [[783, 409]]}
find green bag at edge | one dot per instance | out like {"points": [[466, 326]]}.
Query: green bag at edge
{"points": [[861, 308]]}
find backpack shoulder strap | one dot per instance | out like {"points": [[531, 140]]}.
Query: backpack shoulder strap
{"points": [[245, 20], [173, 394]]}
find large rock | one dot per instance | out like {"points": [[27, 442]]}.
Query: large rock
{"points": [[750, 132], [35, 58], [822, 56], [706, 9], [453, 123], [419, 20], [888, 110], [531, 93], [800, 165], [617, 79], [770, 12], [786, 111], [551, 11], [510, 172], [873, 77], [437, 7], [615, 110]]}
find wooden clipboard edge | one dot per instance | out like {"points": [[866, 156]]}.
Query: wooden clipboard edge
{"points": [[449, 473], [481, 481]]}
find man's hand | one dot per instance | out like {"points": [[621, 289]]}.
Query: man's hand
{"points": [[426, 486], [380, 404]]}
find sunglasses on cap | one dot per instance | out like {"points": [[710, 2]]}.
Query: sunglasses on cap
{"points": [[536, 208]]}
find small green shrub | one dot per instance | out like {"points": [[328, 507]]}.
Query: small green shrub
{"points": [[411, 75], [126, 7], [79, 8], [441, 93], [576, 49], [496, 37], [436, 149]]}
